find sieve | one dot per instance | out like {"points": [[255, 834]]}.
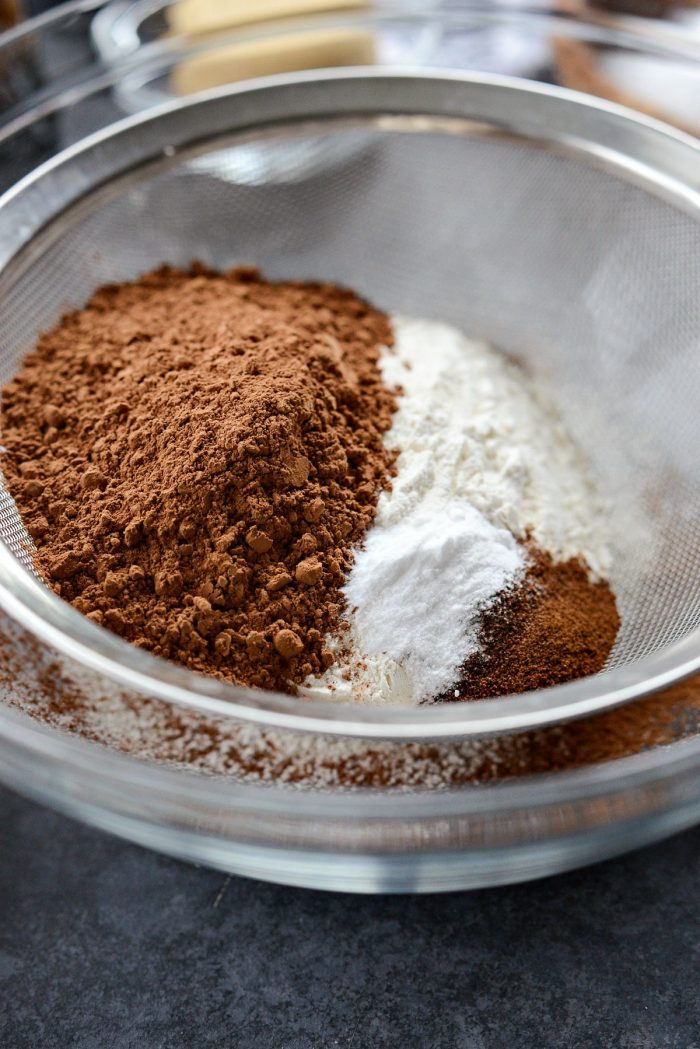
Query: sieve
{"points": [[562, 229]]}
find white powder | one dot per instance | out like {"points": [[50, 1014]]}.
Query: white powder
{"points": [[417, 588], [473, 424], [482, 459]]}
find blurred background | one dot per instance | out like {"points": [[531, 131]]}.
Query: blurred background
{"points": [[67, 69]]}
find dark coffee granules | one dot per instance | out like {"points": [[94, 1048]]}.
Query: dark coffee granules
{"points": [[555, 626]]}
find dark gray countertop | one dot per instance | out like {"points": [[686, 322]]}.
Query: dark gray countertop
{"points": [[103, 944]]}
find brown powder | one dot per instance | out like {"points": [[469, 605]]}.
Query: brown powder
{"points": [[553, 627], [195, 454]]}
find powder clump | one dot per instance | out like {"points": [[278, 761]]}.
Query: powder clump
{"points": [[423, 582], [195, 455]]}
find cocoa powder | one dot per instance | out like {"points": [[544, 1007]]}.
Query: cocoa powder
{"points": [[195, 454]]}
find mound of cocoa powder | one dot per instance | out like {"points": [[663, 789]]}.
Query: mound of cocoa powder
{"points": [[195, 454]]}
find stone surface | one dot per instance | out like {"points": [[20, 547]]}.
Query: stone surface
{"points": [[106, 946]]}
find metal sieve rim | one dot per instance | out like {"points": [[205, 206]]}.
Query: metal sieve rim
{"points": [[645, 151]]}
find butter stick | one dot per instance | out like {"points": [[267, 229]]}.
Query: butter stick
{"points": [[209, 16], [314, 49]]}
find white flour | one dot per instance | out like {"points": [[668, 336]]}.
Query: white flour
{"points": [[473, 424], [483, 459]]}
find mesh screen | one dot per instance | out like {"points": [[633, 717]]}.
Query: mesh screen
{"points": [[591, 281]]}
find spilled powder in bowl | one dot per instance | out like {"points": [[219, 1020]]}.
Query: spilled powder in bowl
{"points": [[278, 485]]}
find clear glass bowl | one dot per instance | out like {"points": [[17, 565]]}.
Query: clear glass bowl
{"points": [[427, 829]]}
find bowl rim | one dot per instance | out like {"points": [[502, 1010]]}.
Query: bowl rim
{"points": [[670, 767], [648, 152]]}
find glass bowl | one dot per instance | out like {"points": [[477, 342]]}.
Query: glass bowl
{"points": [[313, 796]]}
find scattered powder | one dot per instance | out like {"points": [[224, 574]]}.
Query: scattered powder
{"points": [[95, 427], [40, 683], [482, 459]]}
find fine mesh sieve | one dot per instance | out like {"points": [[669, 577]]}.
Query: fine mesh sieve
{"points": [[564, 231]]}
